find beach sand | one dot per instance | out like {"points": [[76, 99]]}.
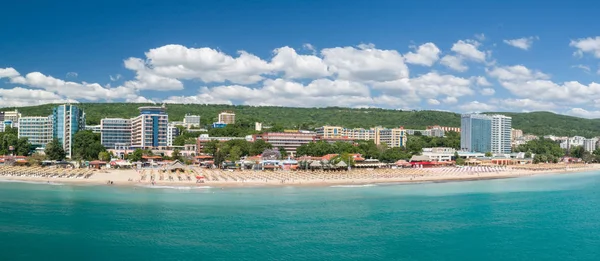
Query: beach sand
{"points": [[223, 178]]}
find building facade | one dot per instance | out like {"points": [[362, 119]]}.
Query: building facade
{"points": [[94, 128], [172, 133], [149, 130], [66, 121], [476, 133], [395, 137], [516, 134], [589, 145], [227, 117], [191, 120], [444, 128], [290, 141], [115, 133], [38, 130], [205, 138], [501, 134]]}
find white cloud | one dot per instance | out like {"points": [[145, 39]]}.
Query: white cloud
{"points": [[516, 73], [487, 91], [586, 45], [454, 63], [297, 66], [468, 49], [433, 102], [310, 47], [580, 112], [528, 104], [426, 54], [19, 96], [521, 43], [482, 81], [72, 75], [476, 106], [429, 85], [8, 73], [480, 37], [365, 64], [115, 78], [450, 100], [584, 68], [146, 79]]}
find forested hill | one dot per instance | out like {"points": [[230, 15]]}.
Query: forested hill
{"points": [[539, 123]]}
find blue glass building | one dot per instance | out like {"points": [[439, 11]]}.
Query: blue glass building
{"points": [[66, 121], [476, 133]]}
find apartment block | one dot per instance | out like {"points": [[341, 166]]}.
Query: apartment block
{"points": [[38, 130], [115, 133]]}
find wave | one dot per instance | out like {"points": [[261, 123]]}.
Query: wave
{"points": [[175, 187], [353, 186], [30, 182]]}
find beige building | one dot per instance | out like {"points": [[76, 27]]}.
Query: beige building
{"points": [[227, 117], [392, 137], [515, 134]]}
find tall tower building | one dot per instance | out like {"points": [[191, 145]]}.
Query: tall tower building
{"points": [[149, 130], [501, 134], [476, 133], [66, 121]]}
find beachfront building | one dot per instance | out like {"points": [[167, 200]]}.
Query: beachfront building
{"points": [[395, 137], [476, 133], [115, 133], [572, 142], [501, 134], [290, 141], [66, 121], [172, 133], [258, 126], [444, 128], [149, 130], [227, 117], [94, 128], [38, 130], [9, 119], [191, 120], [589, 145], [205, 138]]}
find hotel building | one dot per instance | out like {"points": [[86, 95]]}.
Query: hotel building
{"points": [[392, 137], [94, 128], [476, 133], [149, 130], [9, 119], [501, 134], [205, 138], [290, 141], [115, 133], [444, 128], [38, 130], [66, 121], [172, 133], [227, 117], [191, 120]]}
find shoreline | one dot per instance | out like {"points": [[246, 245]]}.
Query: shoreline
{"points": [[127, 178]]}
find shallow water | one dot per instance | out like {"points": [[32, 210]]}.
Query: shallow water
{"points": [[553, 217]]}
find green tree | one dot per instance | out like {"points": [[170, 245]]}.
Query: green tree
{"points": [[282, 152], [528, 155], [259, 146], [577, 151], [87, 145], [488, 154], [54, 150], [458, 160], [104, 156], [176, 155], [136, 155]]}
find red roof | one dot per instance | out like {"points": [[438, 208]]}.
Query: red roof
{"points": [[151, 157], [329, 156], [97, 162], [204, 157]]}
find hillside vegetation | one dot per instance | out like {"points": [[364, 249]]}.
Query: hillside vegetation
{"points": [[538, 123]]}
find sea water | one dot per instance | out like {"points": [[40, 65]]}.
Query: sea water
{"points": [[554, 217]]}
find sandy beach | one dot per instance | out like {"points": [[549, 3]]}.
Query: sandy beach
{"points": [[224, 178]]}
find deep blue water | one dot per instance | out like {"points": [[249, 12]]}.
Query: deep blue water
{"points": [[534, 218]]}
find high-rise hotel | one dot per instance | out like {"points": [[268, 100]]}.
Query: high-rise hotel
{"points": [[484, 133], [66, 121], [149, 130]]}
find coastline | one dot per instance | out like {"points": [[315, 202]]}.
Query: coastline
{"points": [[131, 178]]}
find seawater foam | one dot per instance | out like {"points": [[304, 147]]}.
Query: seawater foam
{"points": [[353, 186], [175, 187], [30, 182]]}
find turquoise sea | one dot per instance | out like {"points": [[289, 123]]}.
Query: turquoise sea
{"points": [[535, 218]]}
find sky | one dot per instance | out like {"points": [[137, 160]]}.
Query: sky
{"points": [[460, 56]]}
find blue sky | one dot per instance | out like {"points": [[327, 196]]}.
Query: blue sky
{"points": [[461, 56]]}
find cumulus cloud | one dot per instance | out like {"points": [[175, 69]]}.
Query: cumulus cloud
{"points": [[476, 106], [583, 113], [72, 75], [297, 66], [589, 45], [454, 63], [433, 102], [469, 50], [522, 43], [487, 91], [426, 55]]}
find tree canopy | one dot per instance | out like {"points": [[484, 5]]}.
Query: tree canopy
{"points": [[54, 150], [87, 145]]}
